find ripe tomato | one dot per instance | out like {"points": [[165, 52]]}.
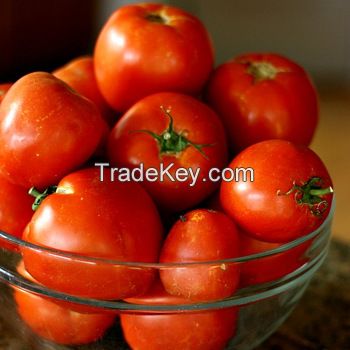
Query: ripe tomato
{"points": [[201, 235], [149, 48], [290, 196], [110, 220], [201, 330], [57, 323], [15, 210], [185, 134], [3, 90], [269, 268], [264, 96], [46, 130], [79, 75]]}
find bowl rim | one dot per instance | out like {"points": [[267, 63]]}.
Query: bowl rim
{"points": [[157, 265]]}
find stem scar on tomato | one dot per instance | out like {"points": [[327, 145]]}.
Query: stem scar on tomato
{"points": [[183, 218], [171, 142], [310, 193], [261, 71]]}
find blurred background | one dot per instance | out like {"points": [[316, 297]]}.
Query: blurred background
{"points": [[43, 35]]}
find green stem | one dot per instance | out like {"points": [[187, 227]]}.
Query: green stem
{"points": [[310, 193], [40, 196], [321, 191], [172, 142]]}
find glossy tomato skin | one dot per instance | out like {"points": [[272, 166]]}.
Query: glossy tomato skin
{"points": [[263, 208], [110, 220], [282, 106], [129, 148], [3, 90], [46, 130], [57, 323], [201, 330], [79, 74], [15, 210], [269, 268], [201, 235], [149, 48]]}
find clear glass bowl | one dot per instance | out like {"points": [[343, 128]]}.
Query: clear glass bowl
{"points": [[257, 308]]}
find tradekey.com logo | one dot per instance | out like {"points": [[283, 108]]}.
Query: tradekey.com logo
{"points": [[167, 173]]}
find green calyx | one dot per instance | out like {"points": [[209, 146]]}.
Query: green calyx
{"points": [[40, 196], [262, 71], [171, 142], [310, 194]]}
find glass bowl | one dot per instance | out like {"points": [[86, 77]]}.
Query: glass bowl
{"points": [[271, 284]]}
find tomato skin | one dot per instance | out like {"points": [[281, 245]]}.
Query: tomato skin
{"points": [[127, 148], [46, 130], [136, 56], [110, 220], [79, 74], [3, 90], [201, 235], [202, 330], [57, 323], [262, 208], [15, 210], [282, 107], [269, 268]]}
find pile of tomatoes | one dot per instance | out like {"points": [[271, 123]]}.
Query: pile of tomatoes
{"points": [[149, 96]]}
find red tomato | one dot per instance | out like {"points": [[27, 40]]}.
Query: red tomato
{"points": [[188, 135], [56, 323], [3, 90], [290, 196], [79, 75], [268, 268], [110, 220], [264, 96], [149, 48], [272, 267], [46, 130], [201, 235], [15, 210], [201, 330]]}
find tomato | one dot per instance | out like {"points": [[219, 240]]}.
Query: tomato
{"points": [[290, 195], [201, 330], [264, 96], [46, 130], [149, 48], [15, 210], [3, 90], [79, 75], [272, 267], [56, 323], [264, 269], [171, 130], [92, 218], [201, 235]]}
